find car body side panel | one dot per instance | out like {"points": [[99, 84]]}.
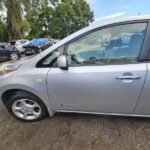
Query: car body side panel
{"points": [[95, 88], [33, 80], [4, 54], [143, 106]]}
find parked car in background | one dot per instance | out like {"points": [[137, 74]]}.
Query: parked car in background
{"points": [[38, 45], [8, 52], [101, 69], [54, 40], [19, 45]]}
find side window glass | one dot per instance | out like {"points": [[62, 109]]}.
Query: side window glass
{"points": [[113, 45], [50, 59]]}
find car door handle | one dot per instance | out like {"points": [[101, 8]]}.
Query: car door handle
{"points": [[128, 77]]}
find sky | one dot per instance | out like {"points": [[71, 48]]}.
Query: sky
{"points": [[114, 8]]}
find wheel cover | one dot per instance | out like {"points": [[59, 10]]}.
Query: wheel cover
{"points": [[26, 109]]}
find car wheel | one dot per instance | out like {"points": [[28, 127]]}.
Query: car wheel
{"points": [[14, 56], [26, 107]]}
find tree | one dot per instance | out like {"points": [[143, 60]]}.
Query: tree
{"points": [[25, 28], [15, 10], [3, 31], [70, 16], [3, 23], [40, 18], [59, 19]]}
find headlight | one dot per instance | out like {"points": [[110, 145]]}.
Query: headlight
{"points": [[9, 68]]}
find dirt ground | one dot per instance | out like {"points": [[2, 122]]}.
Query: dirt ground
{"points": [[75, 132]]}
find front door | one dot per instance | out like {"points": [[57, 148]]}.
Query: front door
{"points": [[103, 74]]}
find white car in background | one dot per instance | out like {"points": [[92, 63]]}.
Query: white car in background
{"points": [[19, 45]]}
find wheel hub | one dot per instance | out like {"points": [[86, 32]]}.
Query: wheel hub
{"points": [[26, 109]]}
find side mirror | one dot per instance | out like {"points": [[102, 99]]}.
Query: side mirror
{"points": [[62, 62]]}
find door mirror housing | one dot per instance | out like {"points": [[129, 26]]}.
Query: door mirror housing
{"points": [[62, 62]]}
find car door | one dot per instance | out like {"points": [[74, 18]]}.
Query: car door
{"points": [[143, 106], [4, 54], [103, 74]]}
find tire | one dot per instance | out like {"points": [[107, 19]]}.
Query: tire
{"points": [[16, 107], [14, 56]]}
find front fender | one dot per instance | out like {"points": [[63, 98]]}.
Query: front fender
{"points": [[35, 84]]}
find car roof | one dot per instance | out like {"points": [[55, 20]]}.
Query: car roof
{"points": [[122, 19], [95, 25], [109, 21]]}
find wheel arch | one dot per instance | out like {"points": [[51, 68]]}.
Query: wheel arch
{"points": [[10, 92]]}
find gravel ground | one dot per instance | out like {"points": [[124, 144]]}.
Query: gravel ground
{"points": [[75, 132]]}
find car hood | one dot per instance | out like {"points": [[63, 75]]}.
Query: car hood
{"points": [[23, 60], [19, 63]]}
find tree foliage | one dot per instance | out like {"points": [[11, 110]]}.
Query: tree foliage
{"points": [[45, 18], [15, 10], [70, 16], [3, 24], [40, 18]]}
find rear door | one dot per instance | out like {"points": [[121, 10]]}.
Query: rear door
{"points": [[143, 107], [104, 74]]}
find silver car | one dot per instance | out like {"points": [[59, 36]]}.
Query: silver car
{"points": [[101, 69]]}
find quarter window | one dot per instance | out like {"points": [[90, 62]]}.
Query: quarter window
{"points": [[50, 59], [113, 45]]}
